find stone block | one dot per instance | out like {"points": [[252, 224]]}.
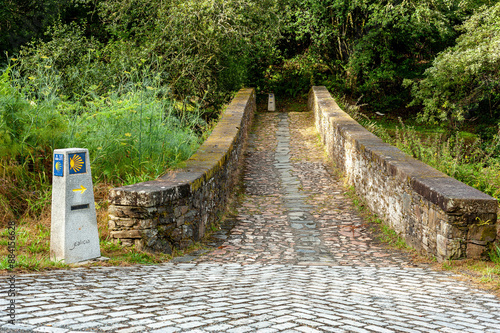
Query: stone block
{"points": [[180, 221], [456, 248], [74, 236], [148, 224], [132, 211], [126, 223], [180, 210], [475, 250], [139, 244], [127, 242], [482, 234]]}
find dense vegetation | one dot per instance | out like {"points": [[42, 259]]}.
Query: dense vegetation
{"points": [[139, 81], [204, 50]]}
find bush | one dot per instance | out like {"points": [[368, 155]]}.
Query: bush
{"points": [[207, 47], [373, 45], [133, 134], [204, 50], [464, 80]]}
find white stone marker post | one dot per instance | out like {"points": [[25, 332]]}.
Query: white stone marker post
{"points": [[73, 233], [270, 103]]}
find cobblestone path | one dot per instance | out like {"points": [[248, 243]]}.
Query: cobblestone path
{"points": [[298, 259]]}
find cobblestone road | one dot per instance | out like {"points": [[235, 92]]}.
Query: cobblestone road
{"points": [[298, 259]]}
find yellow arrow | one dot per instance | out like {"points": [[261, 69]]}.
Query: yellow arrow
{"points": [[81, 189]]}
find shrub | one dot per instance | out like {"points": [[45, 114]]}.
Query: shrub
{"points": [[207, 47], [464, 80], [133, 134]]}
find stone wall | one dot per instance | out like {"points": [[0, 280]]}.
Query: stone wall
{"points": [[433, 212], [176, 209]]}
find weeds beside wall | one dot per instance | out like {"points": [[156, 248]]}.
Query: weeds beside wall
{"points": [[433, 212]]}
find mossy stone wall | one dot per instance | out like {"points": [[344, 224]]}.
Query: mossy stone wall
{"points": [[432, 211], [176, 209]]}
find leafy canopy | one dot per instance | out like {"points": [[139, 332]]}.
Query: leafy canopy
{"points": [[464, 80]]}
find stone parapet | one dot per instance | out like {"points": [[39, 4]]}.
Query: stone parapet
{"points": [[430, 210], [176, 209]]}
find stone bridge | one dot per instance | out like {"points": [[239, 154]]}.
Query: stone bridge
{"points": [[293, 254]]}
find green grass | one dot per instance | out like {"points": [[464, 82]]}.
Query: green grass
{"points": [[462, 155], [389, 236], [32, 263], [134, 132], [135, 257]]}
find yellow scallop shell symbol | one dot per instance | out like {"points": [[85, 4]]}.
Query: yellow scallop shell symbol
{"points": [[58, 166], [75, 163]]}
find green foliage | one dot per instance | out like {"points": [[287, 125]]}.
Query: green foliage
{"points": [[83, 65], [464, 80], [465, 157], [203, 49], [133, 133], [23, 20], [293, 77], [372, 45], [109, 246], [472, 161], [29, 127], [390, 237], [29, 119], [398, 40], [495, 256]]}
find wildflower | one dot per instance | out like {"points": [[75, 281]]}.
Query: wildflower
{"points": [[128, 134], [31, 77], [13, 59], [44, 57]]}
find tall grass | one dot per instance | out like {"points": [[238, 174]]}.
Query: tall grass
{"points": [[469, 159], [466, 158], [134, 132]]}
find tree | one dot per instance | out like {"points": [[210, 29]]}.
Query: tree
{"points": [[372, 45], [24, 20], [464, 80]]}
